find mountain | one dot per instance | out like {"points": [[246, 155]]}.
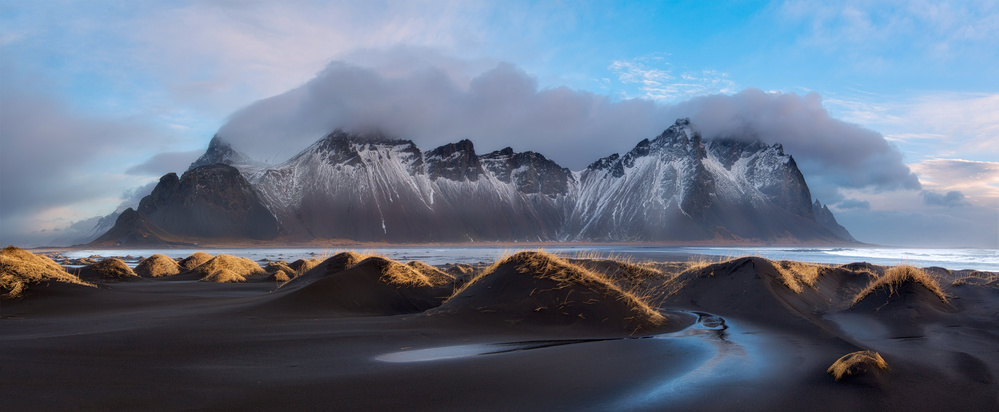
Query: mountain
{"points": [[132, 228], [676, 187], [221, 152], [825, 218], [372, 187], [213, 201]]}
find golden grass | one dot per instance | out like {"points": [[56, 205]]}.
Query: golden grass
{"points": [[797, 275], [224, 276], [436, 276], [113, 268], [398, 274], [279, 266], [855, 362], [344, 260], [280, 276], [545, 265], [196, 259], [157, 265], [20, 268], [458, 269], [301, 266], [896, 276], [239, 265], [986, 278]]}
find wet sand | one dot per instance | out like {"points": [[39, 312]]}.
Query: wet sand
{"points": [[735, 339]]}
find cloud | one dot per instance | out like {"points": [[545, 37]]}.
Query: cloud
{"points": [[831, 153], [952, 198], [55, 163], [164, 163], [657, 80], [853, 204], [978, 181], [499, 107], [441, 100]]}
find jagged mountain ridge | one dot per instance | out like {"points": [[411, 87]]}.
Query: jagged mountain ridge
{"points": [[675, 187]]}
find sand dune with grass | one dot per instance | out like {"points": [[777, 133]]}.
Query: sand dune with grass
{"points": [[107, 270], [530, 331], [541, 288], [373, 285], [227, 268], [157, 265], [21, 270]]}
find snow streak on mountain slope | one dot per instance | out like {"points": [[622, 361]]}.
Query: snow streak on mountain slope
{"points": [[676, 187], [369, 187]]}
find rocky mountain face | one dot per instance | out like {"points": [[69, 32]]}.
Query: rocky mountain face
{"points": [[213, 201], [825, 218], [370, 187], [132, 228]]}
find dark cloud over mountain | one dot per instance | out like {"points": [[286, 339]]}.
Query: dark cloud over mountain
{"points": [[436, 103]]}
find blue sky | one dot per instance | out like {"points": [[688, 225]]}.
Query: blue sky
{"points": [[100, 98]]}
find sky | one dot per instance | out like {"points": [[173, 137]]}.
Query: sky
{"points": [[890, 108]]}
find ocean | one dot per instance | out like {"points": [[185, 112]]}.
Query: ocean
{"points": [[953, 259]]}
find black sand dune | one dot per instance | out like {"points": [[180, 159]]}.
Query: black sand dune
{"points": [[539, 288], [373, 286], [367, 333], [107, 270]]}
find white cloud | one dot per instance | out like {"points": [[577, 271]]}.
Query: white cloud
{"points": [[657, 79]]}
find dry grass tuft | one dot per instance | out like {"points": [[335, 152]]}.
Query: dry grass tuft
{"points": [[20, 268], [856, 362], [301, 266], [981, 278], [797, 275], [458, 269], [897, 276], [279, 266], [280, 276], [343, 261], [196, 259], [544, 265], [157, 265], [398, 274], [112, 268], [239, 265], [224, 276], [436, 276]]}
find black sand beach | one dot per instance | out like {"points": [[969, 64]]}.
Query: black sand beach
{"points": [[533, 333]]}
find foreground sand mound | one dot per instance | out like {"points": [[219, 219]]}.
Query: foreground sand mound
{"points": [[109, 269], [335, 264], [224, 276], [280, 276], [857, 363], [756, 289], [343, 261], [279, 266], [156, 266], [432, 275], [902, 278], [905, 299], [19, 269], [540, 288], [196, 259], [239, 266], [303, 265], [373, 286]]}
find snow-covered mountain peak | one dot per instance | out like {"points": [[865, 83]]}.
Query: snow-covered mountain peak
{"points": [[220, 151], [454, 161]]}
